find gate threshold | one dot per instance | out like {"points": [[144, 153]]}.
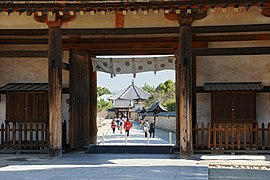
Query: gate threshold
{"points": [[131, 149]]}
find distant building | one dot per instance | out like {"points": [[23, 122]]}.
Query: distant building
{"points": [[105, 97], [128, 100]]}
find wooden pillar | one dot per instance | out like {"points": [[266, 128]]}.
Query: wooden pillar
{"points": [[93, 106], [55, 89], [177, 96], [184, 85]]}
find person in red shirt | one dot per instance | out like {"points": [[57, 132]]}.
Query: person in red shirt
{"points": [[113, 125], [127, 126]]}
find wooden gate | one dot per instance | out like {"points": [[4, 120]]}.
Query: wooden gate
{"points": [[82, 100]]}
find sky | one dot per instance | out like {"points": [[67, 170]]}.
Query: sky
{"points": [[122, 81]]}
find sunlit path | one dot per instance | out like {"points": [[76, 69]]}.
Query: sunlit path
{"points": [[136, 137]]}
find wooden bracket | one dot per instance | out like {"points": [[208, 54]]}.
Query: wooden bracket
{"points": [[266, 12], [185, 18], [59, 20]]}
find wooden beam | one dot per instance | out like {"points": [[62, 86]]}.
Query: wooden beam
{"points": [[238, 37], [231, 51], [156, 51], [24, 54], [122, 46], [136, 31]]}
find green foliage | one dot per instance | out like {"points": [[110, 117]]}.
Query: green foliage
{"points": [[170, 104], [163, 93], [103, 105], [103, 90], [148, 88]]}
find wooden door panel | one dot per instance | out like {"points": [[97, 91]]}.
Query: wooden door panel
{"points": [[27, 107], [37, 105], [233, 107], [15, 110], [79, 99]]}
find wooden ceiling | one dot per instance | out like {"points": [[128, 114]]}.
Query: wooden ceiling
{"points": [[126, 41]]}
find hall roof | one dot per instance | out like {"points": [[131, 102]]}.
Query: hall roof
{"points": [[156, 108], [131, 92]]}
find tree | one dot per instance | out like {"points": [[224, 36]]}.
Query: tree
{"points": [[163, 93], [103, 90], [148, 88], [104, 105]]}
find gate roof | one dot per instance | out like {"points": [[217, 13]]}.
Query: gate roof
{"points": [[21, 87], [233, 86]]}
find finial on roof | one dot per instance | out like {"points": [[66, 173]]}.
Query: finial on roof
{"points": [[132, 81]]}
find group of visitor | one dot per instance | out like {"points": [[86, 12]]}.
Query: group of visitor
{"points": [[122, 124], [127, 123]]}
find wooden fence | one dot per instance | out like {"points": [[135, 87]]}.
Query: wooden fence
{"points": [[231, 136], [25, 136]]}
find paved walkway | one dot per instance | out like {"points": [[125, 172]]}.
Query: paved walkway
{"points": [[101, 166], [105, 166], [137, 136]]}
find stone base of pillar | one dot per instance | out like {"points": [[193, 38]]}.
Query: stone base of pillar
{"points": [[55, 152], [186, 154]]}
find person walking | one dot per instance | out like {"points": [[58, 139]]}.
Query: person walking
{"points": [[141, 123], [127, 126], [152, 129], [113, 125], [146, 127], [121, 124]]}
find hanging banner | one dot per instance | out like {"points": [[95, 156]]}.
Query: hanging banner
{"points": [[132, 65]]}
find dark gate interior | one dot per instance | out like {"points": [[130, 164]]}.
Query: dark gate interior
{"points": [[80, 66]]}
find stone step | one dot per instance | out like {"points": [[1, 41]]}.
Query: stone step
{"points": [[95, 149]]}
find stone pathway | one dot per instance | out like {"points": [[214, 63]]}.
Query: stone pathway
{"points": [[137, 136]]}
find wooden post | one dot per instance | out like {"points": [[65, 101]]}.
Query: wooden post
{"points": [[20, 137], [14, 135], [220, 136], [238, 136], [232, 138], [93, 105], [202, 136], [177, 98], [184, 85], [245, 136], [226, 136], [214, 136], [208, 136], [55, 88]]}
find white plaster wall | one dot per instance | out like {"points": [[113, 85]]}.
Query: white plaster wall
{"points": [[263, 108], [203, 108], [233, 69], [166, 123]]}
